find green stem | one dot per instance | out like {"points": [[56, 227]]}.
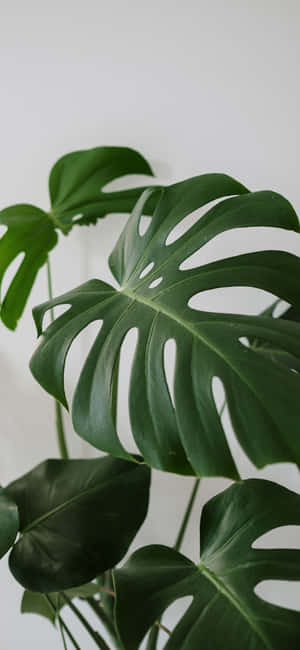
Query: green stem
{"points": [[93, 633], [187, 514], [106, 621], [62, 623], [61, 436]]}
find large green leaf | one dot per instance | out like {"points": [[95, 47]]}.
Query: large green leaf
{"points": [[34, 602], [225, 613], [76, 183], [9, 522], [262, 396], [29, 231], [77, 519]]}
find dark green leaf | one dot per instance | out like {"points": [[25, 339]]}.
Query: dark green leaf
{"points": [[75, 521], [225, 613], [31, 232], [34, 602], [262, 395], [9, 522], [77, 180]]}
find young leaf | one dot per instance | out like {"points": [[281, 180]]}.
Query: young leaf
{"points": [[77, 180], [225, 612], [262, 396], [80, 525], [9, 521], [34, 602], [31, 232], [76, 188]]}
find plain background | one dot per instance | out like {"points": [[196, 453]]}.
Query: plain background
{"points": [[195, 86]]}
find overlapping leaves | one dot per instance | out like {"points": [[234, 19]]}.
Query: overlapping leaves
{"points": [[262, 395], [76, 190], [74, 520], [225, 612]]}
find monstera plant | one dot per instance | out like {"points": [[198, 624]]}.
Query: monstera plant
{"points": [[68, 524]]}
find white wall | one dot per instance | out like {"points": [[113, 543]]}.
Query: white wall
{"points": [[196, 86]]}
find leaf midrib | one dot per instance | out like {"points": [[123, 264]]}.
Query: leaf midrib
{"points": [[225, 591], [65, 504]]}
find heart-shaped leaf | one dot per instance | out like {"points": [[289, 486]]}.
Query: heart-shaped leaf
{"points": [[9, 522], [77, 180], [29, 232], [225, 612], [77, 519], [34, 602], [76, 188], [186, 437]]}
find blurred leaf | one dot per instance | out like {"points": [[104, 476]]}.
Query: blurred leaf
{"points": [[9, 522], [76, 188], [31, 232], [77, 180], [34, 602], [187, 437], [75, 521], [225, 613]]}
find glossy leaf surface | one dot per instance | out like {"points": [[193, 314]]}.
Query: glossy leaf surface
{"points": [[29, 232], [225, 612], [186, 437], [9, 522], [34, 602], [77, 519], [77, 180]]}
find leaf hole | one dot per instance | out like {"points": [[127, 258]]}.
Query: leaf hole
{"points": [[247, 301], [240, 241], [58, 310], [218, 393], [146, 270], [280, 537], [175, 612], [169, 362], [127, 352], [10, 273], [144, 224], [283, 593], [244, 341], [3, 230], [155, 283], [280, 308], [78, 353], [188, 222]]}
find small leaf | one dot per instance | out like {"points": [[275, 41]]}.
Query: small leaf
{"points": [[9, 521], [75, 521], [77, 180], [34, 602], [185, 435], [29, 231], [225, 612]]}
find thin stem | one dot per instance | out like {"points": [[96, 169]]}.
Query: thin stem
{"points": [[187, 514], [62, 623], [93, 633], [61, 436], [106, 621], [62, 634]]}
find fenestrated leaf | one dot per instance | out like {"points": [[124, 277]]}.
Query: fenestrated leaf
{"points": [[262, 396], [34, 602], [76, 188], [75, 520], [9, 522], [225, 612], [77, 180], [31, 232], [269, 350]]}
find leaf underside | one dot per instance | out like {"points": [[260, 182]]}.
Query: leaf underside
{"points": [[225, 613], [262, 394]]}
